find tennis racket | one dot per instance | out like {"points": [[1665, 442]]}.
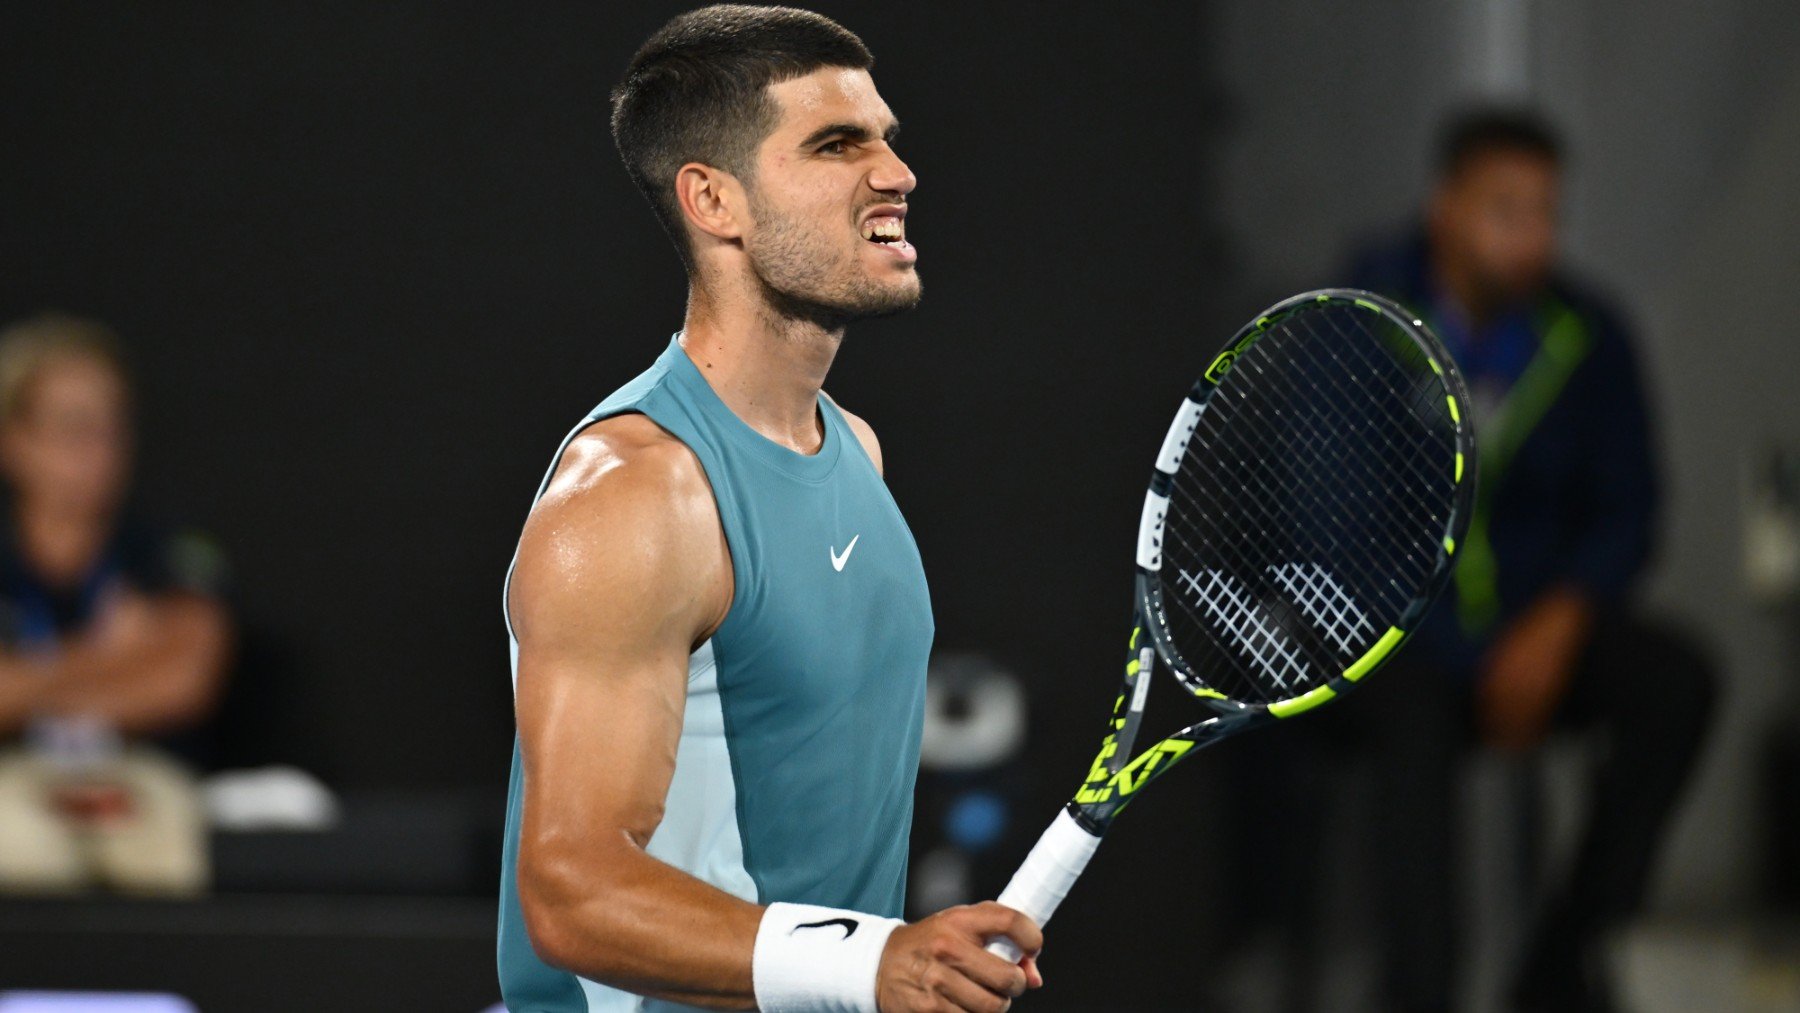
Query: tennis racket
{"points": [[1303, 515]]}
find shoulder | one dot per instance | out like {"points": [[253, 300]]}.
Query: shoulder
{"points": [[1608, 326], [628, 509], [865, 433], [625, 455]]}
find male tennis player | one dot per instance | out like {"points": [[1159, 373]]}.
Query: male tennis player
{"points": [[720, 620]]}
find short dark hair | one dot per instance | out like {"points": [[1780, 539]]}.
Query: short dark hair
{"points": [[1484, 131], [697, 92]]}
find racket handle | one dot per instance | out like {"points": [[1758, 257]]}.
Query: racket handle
{"points": [[1045, 878]]}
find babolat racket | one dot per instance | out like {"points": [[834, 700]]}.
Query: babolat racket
{"points": [[1303, 515]]}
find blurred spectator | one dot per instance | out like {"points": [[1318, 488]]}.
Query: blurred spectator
{"points": [[113, 638], [1539, 632]]}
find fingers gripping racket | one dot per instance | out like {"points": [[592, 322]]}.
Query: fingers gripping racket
{"points": [[1303, 515]]}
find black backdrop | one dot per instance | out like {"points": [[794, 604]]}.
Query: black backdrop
{"points": [[373, 260]]}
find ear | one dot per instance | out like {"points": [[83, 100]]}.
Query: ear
{"points": [[712, 200]]}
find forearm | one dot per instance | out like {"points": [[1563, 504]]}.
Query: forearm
{"points": [[158, 696], [21, 695], [148, 689], [621, 917], [163, 680]]}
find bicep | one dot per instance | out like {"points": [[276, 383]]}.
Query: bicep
{"points": [[599, 710], [614, 583]]}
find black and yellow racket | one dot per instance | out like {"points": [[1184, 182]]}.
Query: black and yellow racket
{"points": [[1303, 515]]}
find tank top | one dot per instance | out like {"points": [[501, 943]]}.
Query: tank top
{"points": [[799, 744]]}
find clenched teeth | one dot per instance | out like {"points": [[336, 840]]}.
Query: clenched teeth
{"points": [[884, 230]]}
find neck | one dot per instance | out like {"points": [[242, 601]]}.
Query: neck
{"points": [[60, 546], [1459, 284], [767, 364]]}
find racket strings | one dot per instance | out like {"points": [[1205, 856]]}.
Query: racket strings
{"points": [[1308, 509], [1414, 444], [1371, 485], [1427, 390], [1287, 453], [1264, 629], [1411, 380], [1390, 597], [1270, 637], [1202, 502], [1410, 455], [1285, 442], [1342, 453]]}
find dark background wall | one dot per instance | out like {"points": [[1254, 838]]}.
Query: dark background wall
{"points": [[372, 261]]}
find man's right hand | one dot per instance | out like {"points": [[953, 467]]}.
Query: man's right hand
{"points": [[1526, 673], [941, 963]]}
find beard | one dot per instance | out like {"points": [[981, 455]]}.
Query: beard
{"points": [[804, 276]]}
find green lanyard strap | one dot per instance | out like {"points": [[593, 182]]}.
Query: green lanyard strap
{"points": [[1565, 344]]}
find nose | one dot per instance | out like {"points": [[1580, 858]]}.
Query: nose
{"points": [[891, 175]]}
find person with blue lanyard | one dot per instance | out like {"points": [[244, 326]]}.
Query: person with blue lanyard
{"points": [[114, 638]]}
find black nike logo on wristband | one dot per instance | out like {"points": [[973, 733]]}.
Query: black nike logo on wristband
{"points": [[850, 925]]}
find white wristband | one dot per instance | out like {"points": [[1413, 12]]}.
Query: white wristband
{"points": [[811, 959]]}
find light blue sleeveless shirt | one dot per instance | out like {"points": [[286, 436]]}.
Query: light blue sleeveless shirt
{"points": [[800, 740]]}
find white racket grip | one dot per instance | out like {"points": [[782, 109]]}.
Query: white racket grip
{"points": [[1045, 878]]}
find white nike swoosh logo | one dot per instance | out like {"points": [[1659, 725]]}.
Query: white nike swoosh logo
{"points": [[837, 561]]}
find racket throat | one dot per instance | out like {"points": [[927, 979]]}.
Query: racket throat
{"points": [[1134, 714]]}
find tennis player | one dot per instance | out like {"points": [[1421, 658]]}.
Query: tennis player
{"points": [[720, 622]]}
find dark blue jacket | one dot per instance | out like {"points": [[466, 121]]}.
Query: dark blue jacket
{"points": [[1568, 485]]}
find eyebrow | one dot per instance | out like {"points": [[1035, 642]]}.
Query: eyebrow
{"points": [[850, 132]]}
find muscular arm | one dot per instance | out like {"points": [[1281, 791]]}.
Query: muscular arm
{"points": [[622, 569]]}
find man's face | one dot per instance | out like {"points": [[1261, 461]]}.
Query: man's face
{"points": [[69, 449], [829, 202], [1497, 216]]}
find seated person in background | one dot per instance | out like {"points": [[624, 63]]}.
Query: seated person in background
{"points": [[1537, 630], [113, 637]]}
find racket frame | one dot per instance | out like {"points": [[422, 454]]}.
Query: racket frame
{"points": [[1113, 780]]}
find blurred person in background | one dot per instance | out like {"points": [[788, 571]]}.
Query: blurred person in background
{"points": [[113, 637], [1538, 632]]}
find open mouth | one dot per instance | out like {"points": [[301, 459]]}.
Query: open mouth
{"points": [[887, 230]]}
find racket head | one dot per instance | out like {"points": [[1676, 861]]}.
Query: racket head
{"points": [[1306, 504]]}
